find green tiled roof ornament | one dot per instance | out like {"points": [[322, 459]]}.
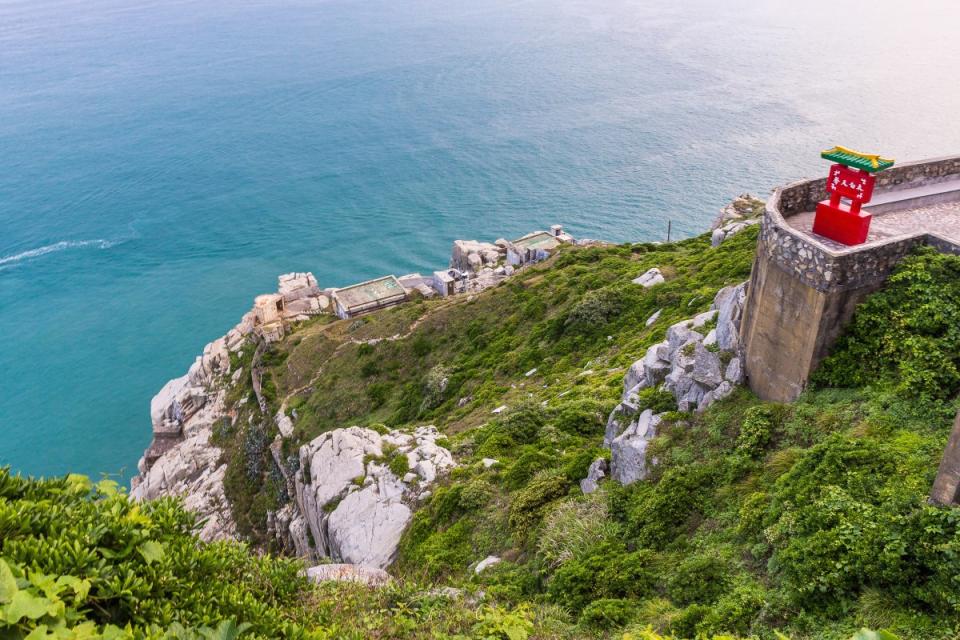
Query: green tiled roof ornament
{"points": [[871, 163]]}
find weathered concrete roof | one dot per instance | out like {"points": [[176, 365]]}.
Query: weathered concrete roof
{"points": [[537, 240], [371, 292]]}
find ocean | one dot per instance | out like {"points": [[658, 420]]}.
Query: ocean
{"points": [[162, 161]]}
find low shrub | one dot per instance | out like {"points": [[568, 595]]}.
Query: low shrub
{"points": [[594, 310], [608, 613], [529, 504], [607, 570], [530, 461], [906, 334], [698, 579]]}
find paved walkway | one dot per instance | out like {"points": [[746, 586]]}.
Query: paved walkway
{"points": [[942, 219]]}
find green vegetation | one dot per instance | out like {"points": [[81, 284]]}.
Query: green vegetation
{"points": [[808, 519], [907, 336], [79, 561]]}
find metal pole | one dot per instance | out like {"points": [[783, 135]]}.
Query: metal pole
{"points": [[669, 225]]}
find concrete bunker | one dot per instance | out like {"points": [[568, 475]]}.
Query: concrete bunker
{"points": [[368, 296], [536, 246]]}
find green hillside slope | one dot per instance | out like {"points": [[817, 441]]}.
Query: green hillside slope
{"points": [[808, 519]]}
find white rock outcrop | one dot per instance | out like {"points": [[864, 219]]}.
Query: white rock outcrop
{"points": [[355, 508], [743, 212], [699, 366], [470, 255], [349, 573], [649, 278], [485, 564]]}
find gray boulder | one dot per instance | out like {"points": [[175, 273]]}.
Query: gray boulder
{"points": [[680, 335], [734, 372], [723, 390], [595, 473], [628, 451], [649, 278], [616, 423], [349, 573], [717, 237], [706, 367], [729, 303], [485, 564]]}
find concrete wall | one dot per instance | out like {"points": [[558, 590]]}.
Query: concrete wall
{"points": [[788, 328], [946, 486], [802, 293]]}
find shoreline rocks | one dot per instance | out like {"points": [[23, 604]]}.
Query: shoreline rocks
{"points": [[744, 211]]}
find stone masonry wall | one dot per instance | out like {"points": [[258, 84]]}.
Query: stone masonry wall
{"points": [[824, 271]]}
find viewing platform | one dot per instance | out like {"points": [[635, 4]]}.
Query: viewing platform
{"points": [[930, 209], [804, 287]]}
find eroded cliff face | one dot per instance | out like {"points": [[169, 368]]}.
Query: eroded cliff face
{"points": [[181, 460]]}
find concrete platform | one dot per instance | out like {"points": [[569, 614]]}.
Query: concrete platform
{"points": [[930, 209]]}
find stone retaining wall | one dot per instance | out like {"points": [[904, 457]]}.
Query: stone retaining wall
{"points": [[817, 267]]}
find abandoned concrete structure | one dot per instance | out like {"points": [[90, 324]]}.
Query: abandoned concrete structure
{"points": [[416, 282], [946, 486], [268, 316], [804, 288], [368, 296], [450, 282], [536, 246]]}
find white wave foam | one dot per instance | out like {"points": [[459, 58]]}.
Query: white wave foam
{"points": [[53, 248]]}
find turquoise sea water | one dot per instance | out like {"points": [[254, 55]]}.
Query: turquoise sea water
{"points": [[161, 162]]}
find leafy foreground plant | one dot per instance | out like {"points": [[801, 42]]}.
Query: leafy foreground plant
{"points": [[81, 561], [863, 634]]}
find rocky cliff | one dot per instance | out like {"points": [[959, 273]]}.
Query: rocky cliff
{"points": [[181, 460], [349, 502], [352, 496]]}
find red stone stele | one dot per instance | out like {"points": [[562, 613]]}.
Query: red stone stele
{"points": [[840, 218]]}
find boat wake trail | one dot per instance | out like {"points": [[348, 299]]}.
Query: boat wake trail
{"points": [[63, 245]]}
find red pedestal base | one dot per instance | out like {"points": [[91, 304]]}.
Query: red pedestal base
{"points": [[842, 226]]}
